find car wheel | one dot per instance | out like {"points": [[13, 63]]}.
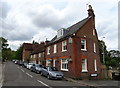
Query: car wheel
{"points": [[48, 76], [37, 71]]}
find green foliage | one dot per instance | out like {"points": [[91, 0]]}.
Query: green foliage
{"points": [[19, 53], [6, 53], [110, 56], [102, 48]]}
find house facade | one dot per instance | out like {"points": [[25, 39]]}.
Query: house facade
{"points": [[75, 50], [27, 49], [38, 55]]}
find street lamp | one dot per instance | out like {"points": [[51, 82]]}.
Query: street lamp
{"points": [[103, 51]]}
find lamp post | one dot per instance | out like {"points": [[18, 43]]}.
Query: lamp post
{"points": [[103, 51]]}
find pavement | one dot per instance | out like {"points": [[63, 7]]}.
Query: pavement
{"points": [[1, 74], [97, 83]]}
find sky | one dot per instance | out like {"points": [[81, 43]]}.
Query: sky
{"points": [[27, 20]]}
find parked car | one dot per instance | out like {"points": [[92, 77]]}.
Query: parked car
{"points": [[36, 68], [16, 61], [21, 63], [25, 64], [13, 61], [29, 65], [51, 72]]}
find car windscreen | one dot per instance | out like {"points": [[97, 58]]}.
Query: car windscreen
{"points": [[52, 69]]}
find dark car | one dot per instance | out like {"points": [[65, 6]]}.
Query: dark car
{"points": [[36, 68], [51, 72], [21, 63], [25, 64]]}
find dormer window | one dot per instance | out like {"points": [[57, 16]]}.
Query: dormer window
{"points": [[61, 32]]}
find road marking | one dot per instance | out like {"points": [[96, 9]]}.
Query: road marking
{"points": [[22, 70], [44, 83], [29, 75], [18, 67]]}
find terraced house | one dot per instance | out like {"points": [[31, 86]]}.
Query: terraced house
{"points": [[28, 48], [38, 54], [74, 50]]}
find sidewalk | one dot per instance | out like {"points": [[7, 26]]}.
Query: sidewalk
{"points": [[1, 73], [97, 83]]}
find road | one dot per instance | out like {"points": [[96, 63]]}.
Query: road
{"points": [[16, 75]]}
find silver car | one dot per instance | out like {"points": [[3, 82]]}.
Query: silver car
{"points": [[29, 65], [51, 73]]}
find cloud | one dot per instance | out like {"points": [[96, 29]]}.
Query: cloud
{"points": [[4, 8], [23, 20]]}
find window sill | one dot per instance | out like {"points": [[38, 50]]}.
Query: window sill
{"points": [[83, 50], [64, 50], [84, 70], [64, 69]]}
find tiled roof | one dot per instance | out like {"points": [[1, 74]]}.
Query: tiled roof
{"points": [[71, 30], [28, 46], [39, 49]]}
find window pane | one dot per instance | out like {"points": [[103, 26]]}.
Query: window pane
{"points": [[83, 44], [83, 64]]}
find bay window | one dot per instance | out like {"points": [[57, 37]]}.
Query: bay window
{"points": [[64, 64]]}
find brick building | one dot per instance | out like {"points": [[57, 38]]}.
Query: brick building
{"points": [[74, 50], [38, 54], [27, 50]]}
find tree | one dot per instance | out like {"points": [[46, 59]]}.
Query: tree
{"points": [[5, 52], [19, 53], [3, 48], [103, 50]]}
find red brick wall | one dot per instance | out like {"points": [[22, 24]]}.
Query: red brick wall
{"points": [[26, 55], [86, 30], [74, 52]]}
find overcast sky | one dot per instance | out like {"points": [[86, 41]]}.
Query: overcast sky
{"points": [[27, 20]]}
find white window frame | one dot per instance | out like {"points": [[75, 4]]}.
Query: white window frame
{"points": [[64, 43], [34, 56], [48, 63], [66, 62], [95, 64], [93, 32], [54, 63], [55, 48], [48, 50], [84, 45], [31, 56], [94, 48], [84, 70], [40, 54]]}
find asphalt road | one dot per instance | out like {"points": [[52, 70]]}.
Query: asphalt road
{"points": [[16, 75]]}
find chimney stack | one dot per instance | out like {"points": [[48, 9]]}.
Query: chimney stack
{"points": [[91, 12]]}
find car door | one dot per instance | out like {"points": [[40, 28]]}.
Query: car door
{"points": [[44, 71]]}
